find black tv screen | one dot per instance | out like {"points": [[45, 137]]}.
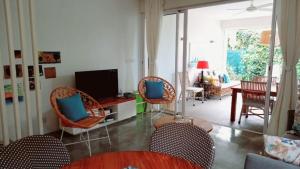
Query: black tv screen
{"points": [[99, 84]]}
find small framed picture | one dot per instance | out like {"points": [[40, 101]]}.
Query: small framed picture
{"points": [[6, 72], [18, 54], [19, 70], [31, 83], [49, 57], [50, 72], [41, 70], [31, 70]]}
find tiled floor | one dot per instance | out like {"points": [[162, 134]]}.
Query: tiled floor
{"points": [[134, 134]]}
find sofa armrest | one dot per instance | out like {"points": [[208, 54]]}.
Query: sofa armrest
{"points": [[254, 161]]}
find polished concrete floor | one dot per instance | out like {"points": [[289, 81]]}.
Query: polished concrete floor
{"points": [[218, 112], [232, 145]]}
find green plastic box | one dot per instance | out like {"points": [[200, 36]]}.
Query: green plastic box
{"points": [[140, 103]]}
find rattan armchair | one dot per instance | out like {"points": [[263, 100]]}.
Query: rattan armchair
{"points": [[92, 106], [168, 93]]}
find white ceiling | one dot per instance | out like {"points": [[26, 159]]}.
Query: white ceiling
{"points": [[223, 12]]}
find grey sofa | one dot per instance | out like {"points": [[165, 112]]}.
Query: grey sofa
{"points": [[254, 161]]}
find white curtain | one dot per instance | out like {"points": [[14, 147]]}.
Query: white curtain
{"points": [[288, 19], [153, 16]]}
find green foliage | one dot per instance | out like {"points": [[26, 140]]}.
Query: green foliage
{"points": [[255, 57], [232, 74]]}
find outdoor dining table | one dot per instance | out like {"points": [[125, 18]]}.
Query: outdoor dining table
{"points": [[238, 89], [132, 160]]}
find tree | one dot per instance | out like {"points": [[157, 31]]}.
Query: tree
{"points": [[255, 56]]}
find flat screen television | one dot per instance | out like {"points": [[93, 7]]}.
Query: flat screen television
{"points": [[99, 84]]}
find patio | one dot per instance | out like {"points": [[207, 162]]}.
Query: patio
{"points": [[233, 43]]}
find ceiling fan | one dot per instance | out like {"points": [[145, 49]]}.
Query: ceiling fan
{"points": [[253, 7]]}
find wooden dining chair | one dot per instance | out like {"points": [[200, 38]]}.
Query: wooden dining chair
{"points": [[265, 79], [95, 110], [38, 151], [168, 92], [253, 95], [186, 141]]}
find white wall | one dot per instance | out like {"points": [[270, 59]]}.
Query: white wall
{"points": [[206, 39], [91, 35], [249, 23]]}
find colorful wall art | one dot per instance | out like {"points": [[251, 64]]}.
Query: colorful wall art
{"points": [[18, 54], [50, 72], [31, 83], [7, 74], [49, 57], [8, 90], [31, 70]]}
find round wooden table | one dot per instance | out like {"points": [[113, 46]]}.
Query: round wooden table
{"points": [[136, 159], [206, 125]]}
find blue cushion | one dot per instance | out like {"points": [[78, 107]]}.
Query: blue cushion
{"points": [[226, 78], [72, 107], [154, 89]]}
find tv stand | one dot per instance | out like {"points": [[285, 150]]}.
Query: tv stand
{"points": [[113, 101], [116, 109]]}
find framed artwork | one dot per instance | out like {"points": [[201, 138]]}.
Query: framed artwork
{"points": [[50, 72], [41, 70], [6, 71], [48, 57], [31, 70], [19, 71], [8, 90], [18, 54], [31, 83]]}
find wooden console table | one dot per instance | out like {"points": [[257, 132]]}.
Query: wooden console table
{"points": [[113, 101]]}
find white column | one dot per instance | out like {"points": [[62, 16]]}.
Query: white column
{"points": [[36, 66], [185, 34], [12, 67], [3, 113], [24, 64], [270, 69], [176, 62]]}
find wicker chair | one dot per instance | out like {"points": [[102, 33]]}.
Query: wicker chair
{"points": [[185, 141], [253, 94], [34, 152], [90, 104], [168, 95]]}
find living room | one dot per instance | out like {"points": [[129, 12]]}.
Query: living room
{"points": [[61, 37]]}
